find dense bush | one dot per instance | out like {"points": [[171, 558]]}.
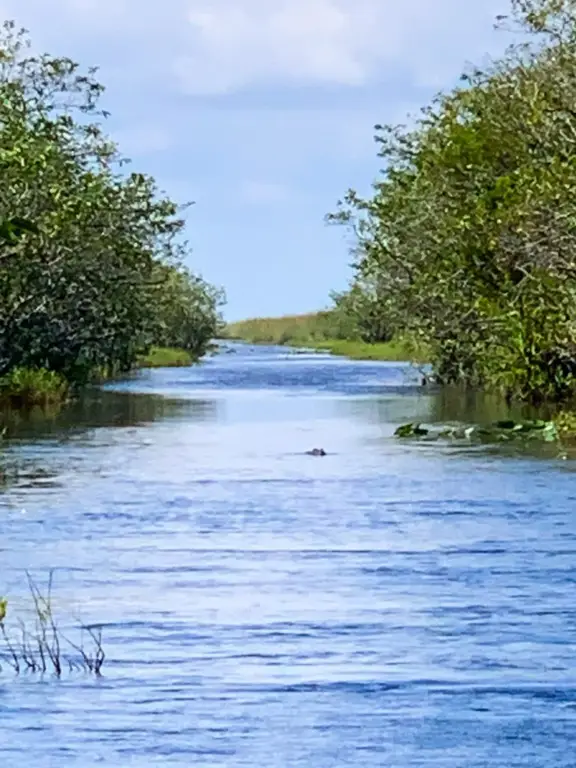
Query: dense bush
{"points": [[468, 240], [88, 252], [189, 312]]}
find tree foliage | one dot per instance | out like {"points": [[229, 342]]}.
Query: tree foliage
{"points": [[88, 251], [189, 311], [469, 238]]}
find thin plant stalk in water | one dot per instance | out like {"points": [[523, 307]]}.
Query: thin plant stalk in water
{"points": [[41, 649]]}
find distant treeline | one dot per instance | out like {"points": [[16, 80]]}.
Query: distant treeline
{"points": [[468, 240], [92, 256]]}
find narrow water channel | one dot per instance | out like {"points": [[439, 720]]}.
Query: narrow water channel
{"points": [[389, 604]]}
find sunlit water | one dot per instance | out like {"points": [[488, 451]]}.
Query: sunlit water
{"points": [[389, 604]]}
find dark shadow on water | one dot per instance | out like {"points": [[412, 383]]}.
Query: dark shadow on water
{"points": [[392, 408], [440, 406], [94, 409], [97, 408], [455, 405]]}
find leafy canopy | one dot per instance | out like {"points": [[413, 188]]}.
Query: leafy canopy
{"points": [[88, 252], [468, 240]]}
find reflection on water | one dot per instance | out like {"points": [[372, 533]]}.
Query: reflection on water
{"points": [[389, 604], [453, 404], [99, 408], [107, 410]]}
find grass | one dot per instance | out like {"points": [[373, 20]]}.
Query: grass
{"points": [[315, 330], [43, 647], [288, 329], [392, 351], [29, 387], [165, 357]]}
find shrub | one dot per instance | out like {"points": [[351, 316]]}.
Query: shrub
{"points": [[33, 386]]}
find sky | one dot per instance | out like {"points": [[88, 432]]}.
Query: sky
{"points": [[262, 113]]}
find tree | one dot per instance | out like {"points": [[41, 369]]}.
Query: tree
{"points": [[80, 291], [472, 226], [189, 311]]}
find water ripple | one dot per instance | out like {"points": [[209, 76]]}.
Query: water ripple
{"points": [[385, 605]]}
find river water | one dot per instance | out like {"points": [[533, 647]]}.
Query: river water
{"points": [[390, 604]]}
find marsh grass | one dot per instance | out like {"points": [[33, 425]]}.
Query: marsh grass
{"points": [[165, 357], [296, 330], [29, 387], [41, 646], [316, 330], [391, 351]]}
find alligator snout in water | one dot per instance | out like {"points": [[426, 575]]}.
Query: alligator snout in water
{"points": [[316, 452]]}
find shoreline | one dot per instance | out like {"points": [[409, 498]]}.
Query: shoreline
{"points": [[391, 351]]}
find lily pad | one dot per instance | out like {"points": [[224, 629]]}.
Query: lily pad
{"points": [[411, 430], [499, 431]]}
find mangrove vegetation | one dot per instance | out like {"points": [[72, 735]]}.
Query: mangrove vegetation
{"points": [[464, 252], [93, 258], [468, 239]]}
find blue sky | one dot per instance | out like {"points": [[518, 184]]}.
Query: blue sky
{"points": [[261, 111]]}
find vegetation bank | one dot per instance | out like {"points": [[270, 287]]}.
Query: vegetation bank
{"points": [[92, 256], [466, 245], [321, 331]]}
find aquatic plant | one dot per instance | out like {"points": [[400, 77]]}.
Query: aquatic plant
{"points": [[40, 649], [566, 424], [499, 431]]}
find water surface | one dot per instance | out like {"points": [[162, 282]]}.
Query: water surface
{"points": [[390, 604]]}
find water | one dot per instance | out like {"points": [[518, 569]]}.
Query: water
{"points": [[390, 604]]}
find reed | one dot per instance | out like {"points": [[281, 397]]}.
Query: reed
{"points": [[41, 646]]}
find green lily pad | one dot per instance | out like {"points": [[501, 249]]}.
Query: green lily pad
{"points": [[501, 431], [411, 430]]}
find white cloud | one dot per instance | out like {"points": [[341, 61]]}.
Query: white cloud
{"points": [[237, 43], [220, 46]]}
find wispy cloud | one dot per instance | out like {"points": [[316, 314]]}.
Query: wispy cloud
{"points": [[238, 43], [221, 46], [264, 192]]}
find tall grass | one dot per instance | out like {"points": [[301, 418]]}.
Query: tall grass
{"points": [[288, 329], [28, 387], [42, 647], [319, 330], [165, 357], [397, 350]]}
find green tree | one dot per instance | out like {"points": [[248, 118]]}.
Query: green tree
{"points": [[80, 291], [189, 311], [472, 227]]}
